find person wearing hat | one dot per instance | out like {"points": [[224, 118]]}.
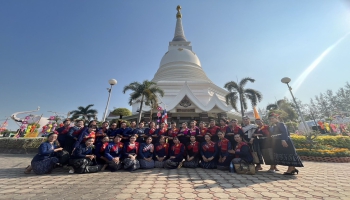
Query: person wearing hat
{"points": [[283, 148], [45, 161]]}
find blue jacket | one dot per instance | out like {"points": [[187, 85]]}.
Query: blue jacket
{"points": [[114, 150], [46, 150], [145, 154], [81, 151]]}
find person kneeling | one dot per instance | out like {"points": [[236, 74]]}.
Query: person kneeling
{"points": [[130, 152], [45, 161], [192, 151], [243, 155], [82, 158], [146, 154], [176, 155], [113, 153], [161, 152], [209, 151]]}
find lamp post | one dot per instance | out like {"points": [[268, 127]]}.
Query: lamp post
{"points": [[111, 82], [287, 80]]}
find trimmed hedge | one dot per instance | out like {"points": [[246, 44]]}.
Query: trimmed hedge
{"points": [[21, 142]]}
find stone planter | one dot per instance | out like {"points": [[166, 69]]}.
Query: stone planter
{"points": [[326, 159]]}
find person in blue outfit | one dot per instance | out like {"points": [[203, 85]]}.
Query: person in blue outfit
{"points": [[131, 150], [161, 131], [100, 152], [88, 132], [73, 135], [129, 131], [112, 131], [45, 161], [176, 154], [283, 147], [146, 154], [209, 151], [140, 133], [122, 131], [83, 160], [62, 132], [192, 153], [114, 153], [242, 151], [101, 132], [161, 152], [151, 131]]}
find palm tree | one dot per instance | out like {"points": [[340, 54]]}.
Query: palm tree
{"points": [[238, 92], [275, 106], [84, 112], [145, 90]]}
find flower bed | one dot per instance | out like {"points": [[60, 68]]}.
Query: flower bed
{"points": [[323, 149]]}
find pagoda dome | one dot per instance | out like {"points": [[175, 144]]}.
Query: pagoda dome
{"points": [[180, 55]]}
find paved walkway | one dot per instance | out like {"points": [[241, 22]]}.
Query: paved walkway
{"points": [[315, 181]]}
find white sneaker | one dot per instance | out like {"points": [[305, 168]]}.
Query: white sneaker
{"points": [[71, 171], [271, 170]]}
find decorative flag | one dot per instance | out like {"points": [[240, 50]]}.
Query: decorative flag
{"points": [[256, 113], [165, 117]]}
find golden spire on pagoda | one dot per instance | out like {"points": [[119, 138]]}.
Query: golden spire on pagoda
{"points": [[178, 15]]}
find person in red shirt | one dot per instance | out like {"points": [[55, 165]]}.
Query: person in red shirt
{"points": [[213, 130]]}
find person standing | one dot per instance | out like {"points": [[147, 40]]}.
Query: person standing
{"points": [[232, 130], [62, 132], [284, 150], [202, 132], [249, 130], [213, 130], [262, 135], [172, 132], [140, 133]]}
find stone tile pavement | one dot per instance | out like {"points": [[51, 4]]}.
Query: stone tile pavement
{"points": [[315, 181]]}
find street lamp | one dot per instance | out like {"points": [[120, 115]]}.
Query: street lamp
{"points": [[287, 80], [111, 82]]}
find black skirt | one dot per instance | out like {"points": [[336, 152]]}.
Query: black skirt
{"points": [[286, 156], [191, 164]]}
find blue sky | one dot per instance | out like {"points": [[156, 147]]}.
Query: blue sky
{"points": [[60, 54]]}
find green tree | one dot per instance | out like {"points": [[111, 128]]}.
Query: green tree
{"points": [[237, 91], [121, 112], [84, 112], [284, 105], [142, 92]]}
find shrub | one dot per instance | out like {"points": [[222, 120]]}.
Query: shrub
{"points": [[335, 152], [334, 141]]}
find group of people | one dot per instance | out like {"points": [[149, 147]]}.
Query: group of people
{"points": [[87, 149]]}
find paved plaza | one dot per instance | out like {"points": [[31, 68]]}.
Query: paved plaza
{"points": [[315, 181]]}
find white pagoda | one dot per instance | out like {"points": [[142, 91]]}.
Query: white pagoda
{"points": [[189, 93]]}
